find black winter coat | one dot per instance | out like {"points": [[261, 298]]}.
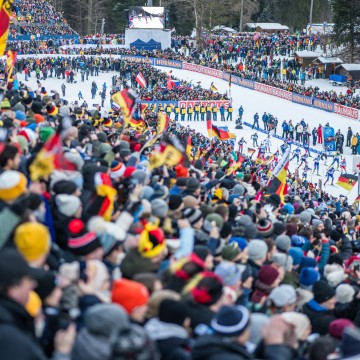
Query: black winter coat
{"points": [[17, 337]]}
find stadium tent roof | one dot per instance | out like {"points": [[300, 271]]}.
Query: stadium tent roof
{"points": [[267, 26], [223, 28]]}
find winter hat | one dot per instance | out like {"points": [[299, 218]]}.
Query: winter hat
{"points": [[146, 192], [24, 145], [64, 187], [344, 293], [322, 291], [139, 176], [231, 321], [198, 164], [39, 118], [291, 229], [244, 220], [229, 273], [305, 217], [264, 228], [267, 274], [151, 241], [288, 208], [219, 220], [283, 260], [316, 222], [238, 190], [67, 204], [173, 312], [350, 343], [190, 201], [283, 295], [129, 294], [279, 228], [338, 326], [159, 208], [181, 172], [5, 104], [20, 115], [283, 243], [32, 240], [12, 185], [242, 243], [208, 290], [193, 215], [297, 254], [226, 230], [308, 277], [46, 132], [192, 185], [175, 202], [336, 277], [102, 325], [307, 261], [257, 249], [117, 169], [300, 322], [52, 110], [82, 243], [230, 251], [29, 135]]}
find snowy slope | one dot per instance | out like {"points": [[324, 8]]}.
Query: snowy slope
{"points": [[251, 101]]}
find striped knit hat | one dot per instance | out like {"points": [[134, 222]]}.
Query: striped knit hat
{"points": [[117, 169], [82, 243]]}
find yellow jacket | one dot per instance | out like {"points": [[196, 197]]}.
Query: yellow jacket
{"points": [[354, 141]]}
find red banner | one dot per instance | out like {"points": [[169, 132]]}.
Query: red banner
{"points": [[203, 70], [346, 111], [270, 90]]}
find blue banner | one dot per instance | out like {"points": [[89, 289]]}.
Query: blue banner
{"points": [[42, 37], [249, 84], [138, 59], [168, 63], [323, 105], [301, 99], [329, 138]]}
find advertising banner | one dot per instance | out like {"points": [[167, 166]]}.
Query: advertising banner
{"points": [[301, 99], [203, 70], [239, 81], [329, 138], [346, 111], [168, 63], [212, 103], [138, 59], [270, 90], [323, 105]]}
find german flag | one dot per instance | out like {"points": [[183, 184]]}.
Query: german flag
{"points": [[170, 153], [222, 134], [5, 12], [235, 166], [278, 184], [163, 123], [137, 123], [213, 88], [50, 157], [356, 201], [126, 99], [105, 189], [347, 181], [250, 151]]}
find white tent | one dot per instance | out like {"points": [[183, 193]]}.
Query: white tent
{"points": [[223, 28]]}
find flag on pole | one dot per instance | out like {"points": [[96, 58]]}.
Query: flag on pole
{"points": [[347, 181], [126, 99], [51, 156], [214, 58], [5, 11], [278, 184], [140, 79], [10, 62], [209, 124], [230, 81], [213, 88], [251, 151]]}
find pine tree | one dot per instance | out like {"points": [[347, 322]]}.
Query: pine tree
{"points": [[346, 16]]}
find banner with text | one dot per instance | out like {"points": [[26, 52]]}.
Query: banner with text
{"points": [[301, 99], [212, 103], [270, 90], [203, 70], [346, 111], [239, 81], [323, 105]]}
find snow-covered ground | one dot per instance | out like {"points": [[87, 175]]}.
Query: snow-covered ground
{"points": [[251, 101]]}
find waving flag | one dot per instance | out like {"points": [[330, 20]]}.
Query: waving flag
{"points": [[278, 184], [347, 181], [51, 156], [172, 83], [209, 124], [105, 189], [140, 79], [126, 99], [213, 88], [5, 11], [163, 123]]}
